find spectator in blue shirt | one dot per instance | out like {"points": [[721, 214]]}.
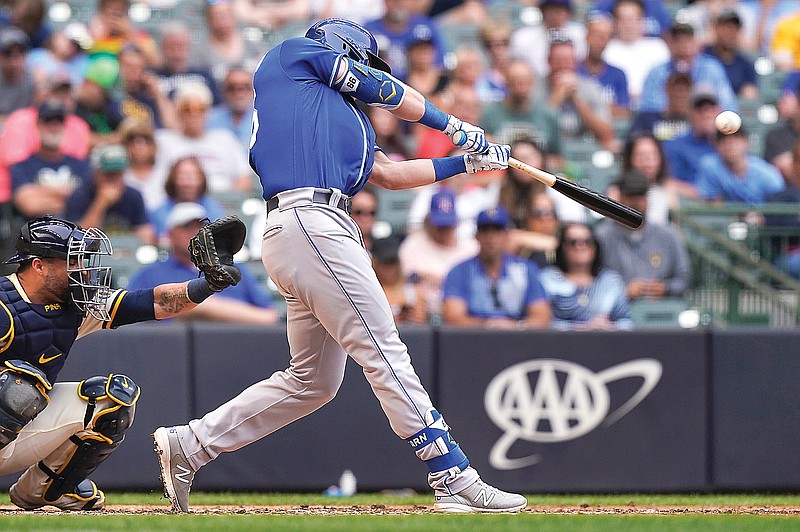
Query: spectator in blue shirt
{"points": [[236, 112], [733, 174], [611, 79], [583, 294], [399, 27], [741, 71], [495, 289], [684, 152], [246, 302], [673, 121], [706, 71]]}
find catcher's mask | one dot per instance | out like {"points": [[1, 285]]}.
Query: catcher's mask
{"points": [[350, 38], [82, 249]]}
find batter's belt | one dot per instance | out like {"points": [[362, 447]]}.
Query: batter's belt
{"points": [[299, 197]]}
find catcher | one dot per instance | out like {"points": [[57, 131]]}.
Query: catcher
{"points": [[60, 432]]}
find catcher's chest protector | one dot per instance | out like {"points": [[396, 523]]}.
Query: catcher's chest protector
{"points": [[39, 334]]}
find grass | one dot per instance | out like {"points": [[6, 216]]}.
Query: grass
{"points": [[427, 522]]}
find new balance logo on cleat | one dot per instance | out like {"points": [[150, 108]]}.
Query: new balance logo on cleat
{"points": [[480, 497], [185, 475], [487, 497]]}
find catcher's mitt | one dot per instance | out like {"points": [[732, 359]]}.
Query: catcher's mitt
{"points": [[212, 250]]}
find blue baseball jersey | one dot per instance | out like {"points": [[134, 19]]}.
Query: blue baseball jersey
{"points": [[305, 133]]}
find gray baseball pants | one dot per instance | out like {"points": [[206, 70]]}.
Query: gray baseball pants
{"points": [[335, 307]]}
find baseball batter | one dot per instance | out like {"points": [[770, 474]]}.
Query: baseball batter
{"points": [[313, 148]]}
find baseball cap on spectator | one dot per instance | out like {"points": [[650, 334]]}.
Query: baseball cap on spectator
{"points": [[102, 70], [51, 108], [421, 34], [193, 92], [11, 36], [494, 217], [184, 213], [443, 209], [564, 3], [386, 249], [704, 96], [633, 183], [729, 15], [109, 158], [681, 28]]}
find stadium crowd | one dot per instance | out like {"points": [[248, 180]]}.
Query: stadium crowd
{"points": [[140, 125]]}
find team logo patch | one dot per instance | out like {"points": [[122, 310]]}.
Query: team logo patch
{"points": [[655, 259]]}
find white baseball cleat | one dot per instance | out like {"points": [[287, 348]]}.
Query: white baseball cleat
{"points": [[176, 472], [479, 497]]}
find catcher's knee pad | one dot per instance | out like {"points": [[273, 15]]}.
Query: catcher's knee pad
{"points": [[111, 422], [108, 430], [23, 394], [448, 453]]}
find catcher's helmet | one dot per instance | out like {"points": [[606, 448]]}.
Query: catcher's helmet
{"points": [[45, 237], [350, 38], [82, 249]]}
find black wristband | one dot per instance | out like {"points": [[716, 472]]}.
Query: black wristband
{"points": [[198, 290]]}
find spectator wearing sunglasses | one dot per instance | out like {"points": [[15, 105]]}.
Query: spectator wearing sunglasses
{"points": [[223, 157], [542, 221], [236, 111], [495, 289], [583, 294], [364, 211]]}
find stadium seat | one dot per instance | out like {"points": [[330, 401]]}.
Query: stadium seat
{"points": [[393, 208], [657, 312], [123, 261]]}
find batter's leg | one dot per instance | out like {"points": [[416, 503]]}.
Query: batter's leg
{"points": [[314, 375], [337, 281]]}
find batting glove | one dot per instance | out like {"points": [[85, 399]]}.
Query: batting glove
{"points": [[476, 139], [495, 158]]}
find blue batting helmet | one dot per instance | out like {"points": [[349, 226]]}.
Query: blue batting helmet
{"points": [[350, 38]]}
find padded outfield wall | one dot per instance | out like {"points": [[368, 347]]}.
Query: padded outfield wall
{"points": [[544, 411]]}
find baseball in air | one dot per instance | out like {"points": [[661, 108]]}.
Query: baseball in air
{"points": [[728, 122]]}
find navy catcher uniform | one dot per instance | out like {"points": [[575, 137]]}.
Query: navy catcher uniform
{"points": [[313, 148], [59, 433]]}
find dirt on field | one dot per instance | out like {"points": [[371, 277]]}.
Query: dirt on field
{"points": [[379, 509]]}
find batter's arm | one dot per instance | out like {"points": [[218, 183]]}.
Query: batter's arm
{"points": [[381, 89], [399, 175]]}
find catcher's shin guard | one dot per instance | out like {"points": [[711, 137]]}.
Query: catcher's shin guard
{"points": [[23, 394], [107, 431], [436, 447]]}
